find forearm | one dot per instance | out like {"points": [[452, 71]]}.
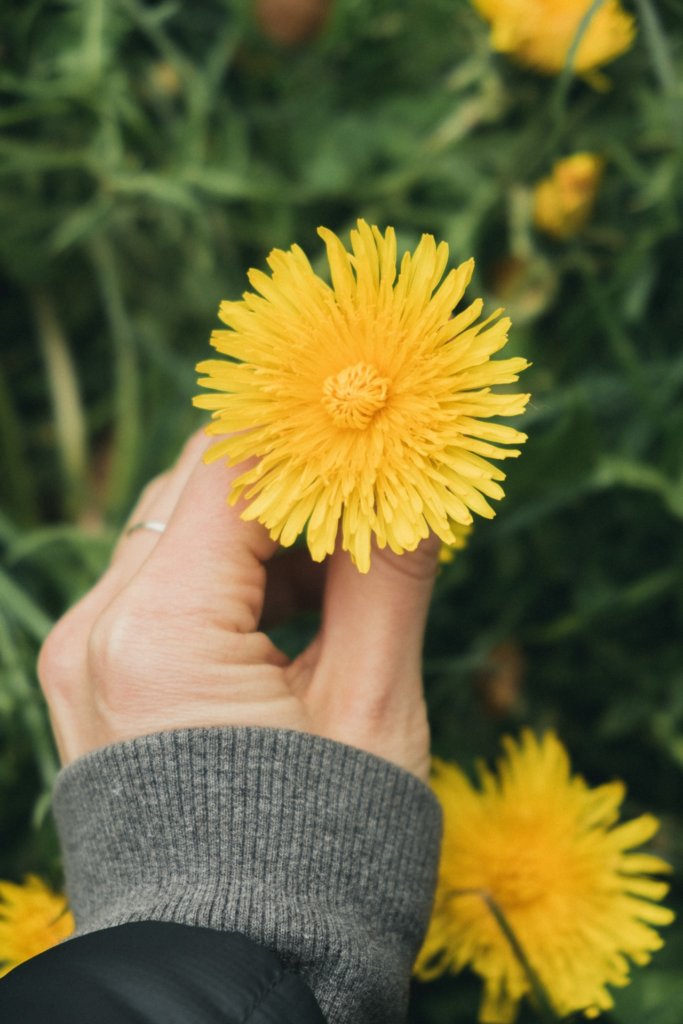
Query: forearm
{"points": [[320, 852]]}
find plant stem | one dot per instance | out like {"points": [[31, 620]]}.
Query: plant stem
{"points": [[659, 49], [543, 1004], [558, 102]]}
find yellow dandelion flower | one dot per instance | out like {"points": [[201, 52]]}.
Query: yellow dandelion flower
{"points": [[539, 33], [32, 919], [564, 201], [550, 854], [365, 402]]}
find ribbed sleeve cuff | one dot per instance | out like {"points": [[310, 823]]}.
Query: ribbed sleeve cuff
{"points": [[321, 852]]}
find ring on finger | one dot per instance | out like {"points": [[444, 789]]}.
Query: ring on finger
{"points": [[146, 524]]}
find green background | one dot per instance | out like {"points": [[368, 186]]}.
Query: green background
{"points": [[151, 153]]}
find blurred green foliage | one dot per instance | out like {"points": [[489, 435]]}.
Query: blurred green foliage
{"points": [[151, 152]]}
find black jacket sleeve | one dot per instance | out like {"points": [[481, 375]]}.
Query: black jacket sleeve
{"points": [[153, 972]]}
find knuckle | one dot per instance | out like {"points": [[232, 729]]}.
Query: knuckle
{"points": [[388, 731], [372, 712], [391, 703], [59, 658], [115, 653], [136, 647]]}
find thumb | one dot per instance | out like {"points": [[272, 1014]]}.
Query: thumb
{"points": [[373, 624]]}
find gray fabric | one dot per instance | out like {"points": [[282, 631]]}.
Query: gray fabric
{"points": [[321, 852]]}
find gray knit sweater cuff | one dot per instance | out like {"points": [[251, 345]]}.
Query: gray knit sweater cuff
{"points": [[319, 851]]}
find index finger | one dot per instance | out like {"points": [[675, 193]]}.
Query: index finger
{"points": [[210, 553]]}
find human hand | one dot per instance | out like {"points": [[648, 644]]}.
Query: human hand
{"points": [[169, 637]]}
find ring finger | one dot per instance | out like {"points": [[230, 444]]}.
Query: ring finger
{"points": [[153, 511]]}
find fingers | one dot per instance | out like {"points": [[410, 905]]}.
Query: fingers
{"points": [[373, 624], [156, 504], [62, 666], [363, 683], [209, 553]]}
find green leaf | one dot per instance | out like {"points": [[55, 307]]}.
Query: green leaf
{"points": [[18, 607], [613, 471]]}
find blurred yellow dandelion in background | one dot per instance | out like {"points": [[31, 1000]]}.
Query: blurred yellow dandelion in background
{"points": [[549, 853], [462, 536], [365, 402], [564, 201], [539, 33], [32, 919]]}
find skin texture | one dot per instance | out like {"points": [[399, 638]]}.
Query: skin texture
{"points": [[169, 637]]}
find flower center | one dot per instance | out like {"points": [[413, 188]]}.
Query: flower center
{"points": [[354, 395], [533, 867], [518, 888]]}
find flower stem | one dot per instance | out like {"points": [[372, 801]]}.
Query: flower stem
{"points": [[557, 110], [544, 1006], [541, 999], [558, 104]]}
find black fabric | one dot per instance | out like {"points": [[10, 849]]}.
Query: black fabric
{"points": [[154, 972]]}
